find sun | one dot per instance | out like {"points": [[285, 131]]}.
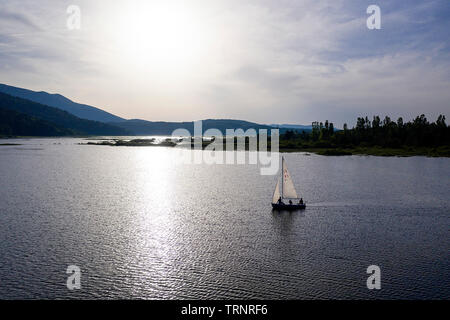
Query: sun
{"points": [[160, 36]]}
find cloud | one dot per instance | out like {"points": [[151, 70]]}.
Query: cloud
{"points": [[263, 60], [324, 62], [20, 19]]}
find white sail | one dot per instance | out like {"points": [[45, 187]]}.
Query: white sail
{"points": [[276, 194], [288, 189]]}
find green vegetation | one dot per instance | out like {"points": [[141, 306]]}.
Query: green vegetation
{"points": [[28, 118], [335, 152], [13, 123], [376, 137]]}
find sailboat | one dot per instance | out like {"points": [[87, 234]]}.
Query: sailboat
{"points": [[286, 191]]}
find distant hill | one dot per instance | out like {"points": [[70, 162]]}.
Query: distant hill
{"points": [[142, 127], [13, 123], [297, 127], [114, 125], [58, 118], [58, 101]]}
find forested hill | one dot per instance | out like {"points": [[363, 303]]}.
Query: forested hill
{"points": [[143, 127], [13, 123], [54, 117], [79, 110]]}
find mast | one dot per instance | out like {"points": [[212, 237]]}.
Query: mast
{"points": [[282, 176]]}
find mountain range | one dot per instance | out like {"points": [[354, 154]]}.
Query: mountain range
{"points": [[58, 101], [45, 114], [39, 114]]}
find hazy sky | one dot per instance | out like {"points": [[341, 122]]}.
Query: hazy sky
{"points": [[269, 61]]}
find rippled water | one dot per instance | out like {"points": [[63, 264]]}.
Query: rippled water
{"points": [[140, 225]]}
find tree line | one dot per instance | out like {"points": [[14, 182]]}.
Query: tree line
{"points": [[376, 132]]}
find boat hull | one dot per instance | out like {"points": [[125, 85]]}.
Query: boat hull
{"points": [[288, 207]]}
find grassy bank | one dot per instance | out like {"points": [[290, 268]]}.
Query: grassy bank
{"points": [[375, 151]]}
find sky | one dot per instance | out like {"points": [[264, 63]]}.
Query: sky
{"points": [[267, 61]]}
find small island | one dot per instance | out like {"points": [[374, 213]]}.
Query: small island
{"points": [[133, 143]]}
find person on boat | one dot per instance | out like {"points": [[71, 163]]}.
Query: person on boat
{"points": [[301, 201], [280, 201], [290, 202]]}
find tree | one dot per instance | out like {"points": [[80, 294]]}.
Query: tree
{"points": [[395, 134], [289, 135], [440, 122], [315, 131], [376, 122]]}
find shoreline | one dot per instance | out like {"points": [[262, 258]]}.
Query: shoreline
{"points": [[375, 151], [432, 152]]}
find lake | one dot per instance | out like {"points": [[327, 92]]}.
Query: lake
{"points": [[141, 225]]}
